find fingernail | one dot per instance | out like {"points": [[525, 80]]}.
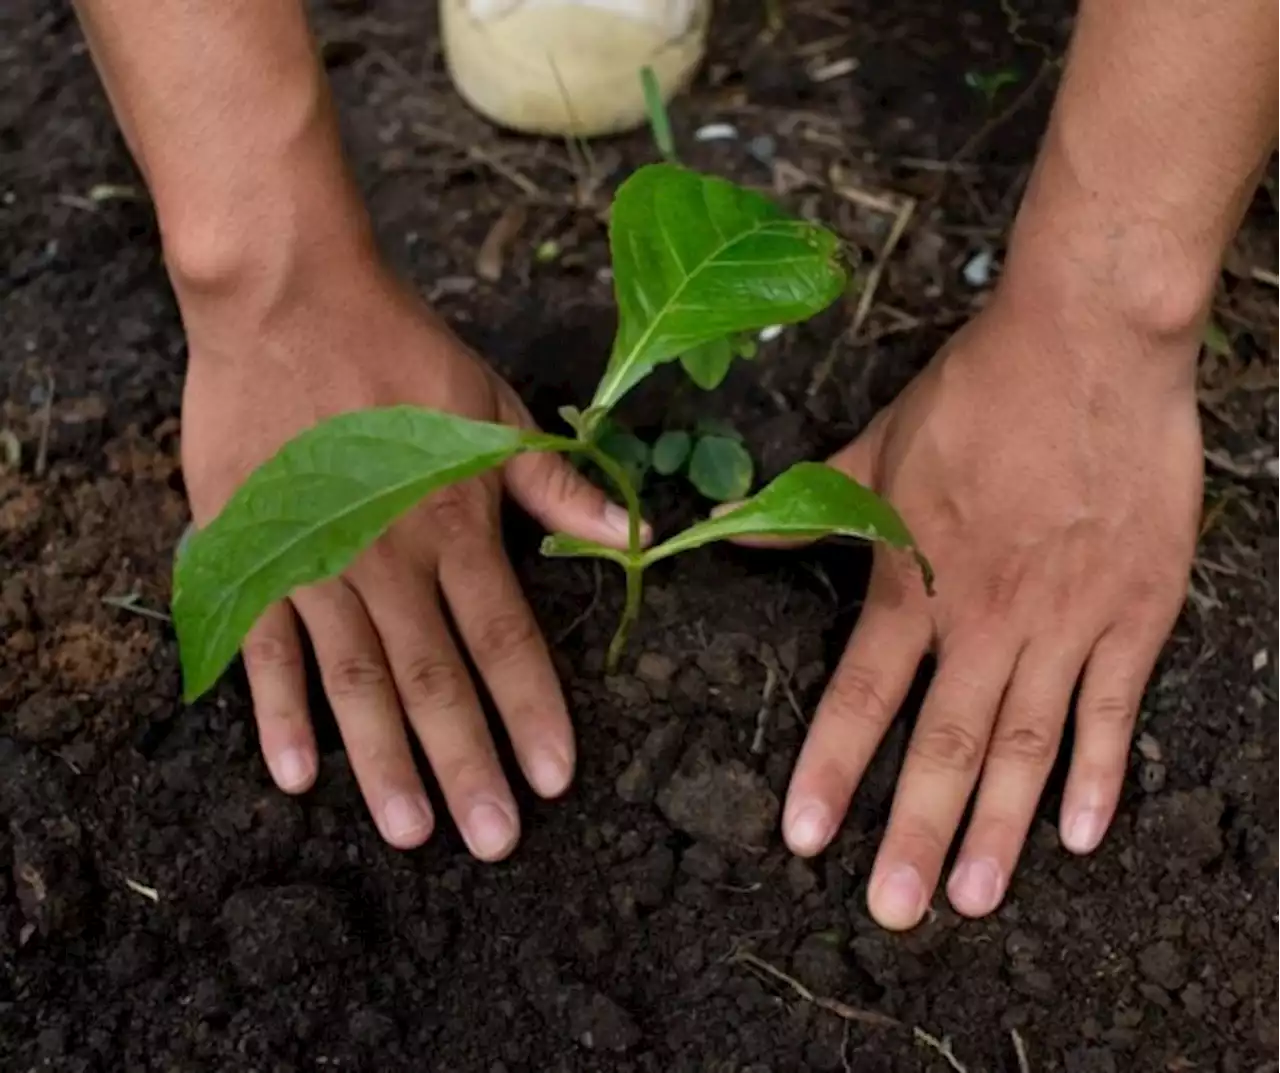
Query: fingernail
{"points": [[549, 772], [1083, 831], [406, 819], [490, 831], [975, 887], [897, 900], [293, 769], [809, 829]]}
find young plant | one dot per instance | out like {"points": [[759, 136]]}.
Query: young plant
{"points": [[696, 260]]}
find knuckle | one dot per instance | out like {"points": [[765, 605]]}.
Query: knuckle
{"points": [[355, 676], [999, 587], [1025, 743], [857, 695], [949, 745], [454, 511], [502, 634], [271, 653], [1110, 709], [433, 681]]}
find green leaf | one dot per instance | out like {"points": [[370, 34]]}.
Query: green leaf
{"points": [[708, 364], [628, 450], [696, 259], [565, 546], [671, 451], [306, 514], [807, 502], [720, 468]]}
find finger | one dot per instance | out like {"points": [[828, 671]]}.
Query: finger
{"points": [[442, 706], [549, 489], [868, 687], [1018, 761], [1114, 680], [503, 638], [937, 777], [277, 683], [360, 690]]}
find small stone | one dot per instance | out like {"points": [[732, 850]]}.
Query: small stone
{"points": [[1148, 748], [1151, 776], [1193, 998], [656, 671], [1163, 964]]}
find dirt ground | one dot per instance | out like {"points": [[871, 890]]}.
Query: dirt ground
{"points": [[163, 907]]}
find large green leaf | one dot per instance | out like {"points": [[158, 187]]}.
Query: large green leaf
{"points": [[696, 258], [306, 514], [807, 502]]}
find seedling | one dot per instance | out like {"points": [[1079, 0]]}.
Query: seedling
{"points": [[713, 458], [696, 260]]}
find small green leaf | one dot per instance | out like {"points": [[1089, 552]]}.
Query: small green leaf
{"points": [[571, 416], [708, 364], [671, 451], [305, 514], [809, 501], [696, 258], [565, 546], [628, 450], [720, 468]]}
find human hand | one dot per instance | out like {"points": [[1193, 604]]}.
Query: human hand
{"points": [[263, 368], [1053, 477]]}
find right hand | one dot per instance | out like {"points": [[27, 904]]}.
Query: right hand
{"points": [[347, 337]]}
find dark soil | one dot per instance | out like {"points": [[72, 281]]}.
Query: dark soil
{"points": [[163, 907]]}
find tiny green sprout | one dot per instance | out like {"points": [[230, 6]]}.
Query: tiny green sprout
{"points": [[696, 259], [990, 83]]}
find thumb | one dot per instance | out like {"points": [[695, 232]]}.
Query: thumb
{"points": [[857, 458], [549, 489]]}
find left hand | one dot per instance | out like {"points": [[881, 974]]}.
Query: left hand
{"points": [[1053, 476]]}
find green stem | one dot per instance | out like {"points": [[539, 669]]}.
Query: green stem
{"points": [[635, 564], [633, 559], [630, 612]]}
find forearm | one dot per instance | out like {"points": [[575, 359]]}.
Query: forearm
{"points": [[1166, 114], [225, 107]]}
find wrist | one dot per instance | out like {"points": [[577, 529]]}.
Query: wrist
{"points": [[273, 207]]}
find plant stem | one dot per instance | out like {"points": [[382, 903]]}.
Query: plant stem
{"points": [[635, 564]]}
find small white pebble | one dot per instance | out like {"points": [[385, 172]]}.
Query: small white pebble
{"points": [[1260, 659], [1148, 748], [716, 132], [770, 333], [977, 273]]}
